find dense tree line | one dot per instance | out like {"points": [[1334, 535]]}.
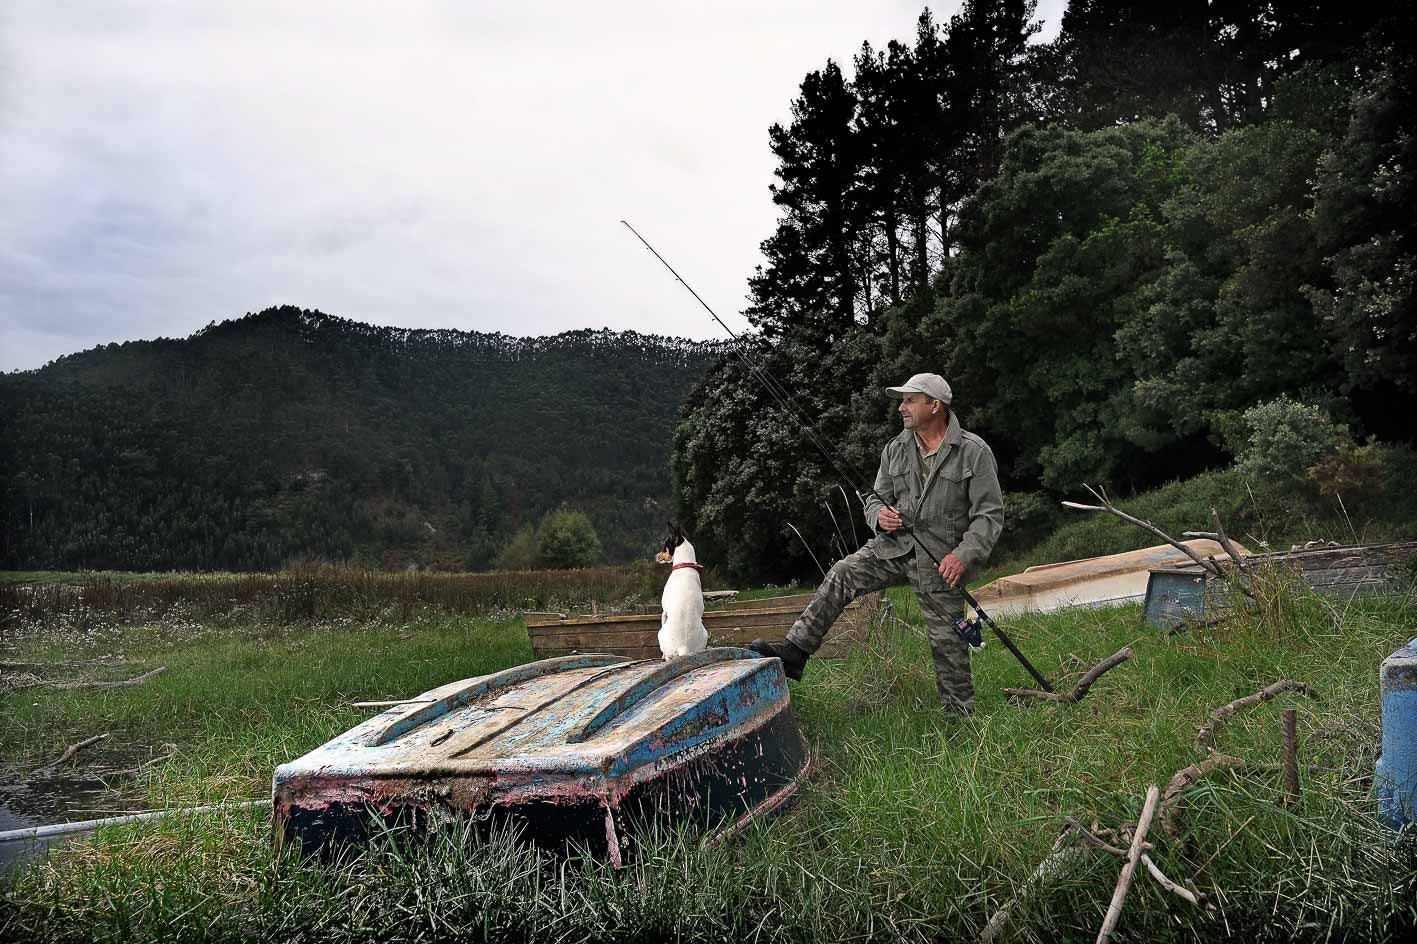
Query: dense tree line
{"points": [[1113, 244], [294, 434]]}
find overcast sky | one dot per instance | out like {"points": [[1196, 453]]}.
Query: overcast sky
{"points": [[462, 164]]}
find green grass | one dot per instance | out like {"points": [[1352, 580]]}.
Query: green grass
{"points": [[915, 826]]}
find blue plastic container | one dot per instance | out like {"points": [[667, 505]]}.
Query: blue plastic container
{"points": [[1396, 779]]}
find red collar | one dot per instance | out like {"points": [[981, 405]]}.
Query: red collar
{"points": [[693, 564]]}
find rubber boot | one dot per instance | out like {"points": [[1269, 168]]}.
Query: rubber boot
{"points": [[793, 658]]}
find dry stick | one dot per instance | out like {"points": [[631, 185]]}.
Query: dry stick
{"points": [[137, 680], [64, 758], [1076, 695], [1291, 757], [1050, 866], [1185, 777], [135, 771], [1110, 508], [1194, 898], [1199, 900], [1230, 548], [1207, 732], [1124, 880], [59, 665]]}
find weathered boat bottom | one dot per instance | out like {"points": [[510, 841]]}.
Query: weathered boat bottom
{"points": [[720, 791]]}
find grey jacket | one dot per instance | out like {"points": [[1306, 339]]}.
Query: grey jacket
{"points": [[958, 510]]}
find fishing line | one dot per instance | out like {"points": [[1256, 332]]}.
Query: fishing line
{"points": [[774, 389]]}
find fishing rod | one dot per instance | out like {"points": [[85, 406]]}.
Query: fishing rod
{"points": [[966, 629]]}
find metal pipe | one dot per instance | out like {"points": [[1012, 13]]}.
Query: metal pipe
{"points": [[62, 829]]}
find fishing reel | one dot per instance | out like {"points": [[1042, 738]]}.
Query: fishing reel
{"points": [[969, 631]]}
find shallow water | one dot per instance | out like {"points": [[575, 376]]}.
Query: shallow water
{"points": [[41, 802]]}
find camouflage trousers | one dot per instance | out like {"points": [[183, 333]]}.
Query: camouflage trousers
{"points": [[864, 572]]}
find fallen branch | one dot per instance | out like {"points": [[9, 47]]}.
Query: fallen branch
{"points": [[1209, 566], [105, 660], [1195, 898], [1175, 888], [135, 771], [1234, 553], [1079, 690], [1207, 731], [1051, 865], [1124, 880], [1112, 509], [1185, 777], [136, 680], [66, 756]]}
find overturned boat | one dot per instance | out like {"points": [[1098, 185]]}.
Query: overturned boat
{"points": [[1094, 581], [586, 748]]}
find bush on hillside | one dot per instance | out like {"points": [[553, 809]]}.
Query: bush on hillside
{"points": [[1355, 471], [1287, 438], [1029, 517], [520, 553], [566, 539]]}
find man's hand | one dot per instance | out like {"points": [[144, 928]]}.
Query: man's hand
{"points": [[952, 570], [888, 519]]}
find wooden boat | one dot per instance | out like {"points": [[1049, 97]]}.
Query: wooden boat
{"points": [[588, 748], [1093, 581], [1186, 592], [734, 623]]}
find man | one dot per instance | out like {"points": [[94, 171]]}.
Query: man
{"points": [[941, 490]]}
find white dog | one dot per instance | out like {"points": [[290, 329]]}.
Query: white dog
{"points": [[681, 623]]}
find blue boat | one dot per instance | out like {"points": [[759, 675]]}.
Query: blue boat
{"points": [[589, 748]]}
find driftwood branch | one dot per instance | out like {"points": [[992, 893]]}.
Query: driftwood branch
{"points": [[1195, 898], [138, 770], [64, 758], [1112, 509], [1124, 880], [1055, 862], [1184, 778], [1064, 852], [1207, 732], [1236, 557], [1079, 690], [1210, 566], [105, 660], [124, 683]]}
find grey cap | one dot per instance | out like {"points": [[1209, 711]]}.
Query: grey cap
{"points": [[932, 385]]}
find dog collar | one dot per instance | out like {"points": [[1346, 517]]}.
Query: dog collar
{"points": [[693, 564]]}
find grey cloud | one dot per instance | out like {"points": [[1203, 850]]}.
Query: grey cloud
{"points": [[447, 164]]}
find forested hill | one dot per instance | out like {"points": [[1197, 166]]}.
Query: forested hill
{"points": [[293, 434]]}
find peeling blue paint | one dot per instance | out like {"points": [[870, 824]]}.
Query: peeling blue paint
{"points": [[566, 732], [1396, 779]]}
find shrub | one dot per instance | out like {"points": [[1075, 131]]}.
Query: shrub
{"points": [[1357, 471], [567, 539], [1287, 438], [1029, 517], [520, 553]]}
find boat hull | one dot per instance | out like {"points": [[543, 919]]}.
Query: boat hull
{"points": [[707, 743]]}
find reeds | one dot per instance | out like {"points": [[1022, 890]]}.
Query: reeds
{"points": [[321, 592]]}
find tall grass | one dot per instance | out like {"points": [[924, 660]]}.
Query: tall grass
{"points": [[319, 592], [916, 826]]}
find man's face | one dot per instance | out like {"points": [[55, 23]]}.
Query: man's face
{"points": [[916, 409]]}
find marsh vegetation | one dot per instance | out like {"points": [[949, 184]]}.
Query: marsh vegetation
{"points": [[913, 827]]}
